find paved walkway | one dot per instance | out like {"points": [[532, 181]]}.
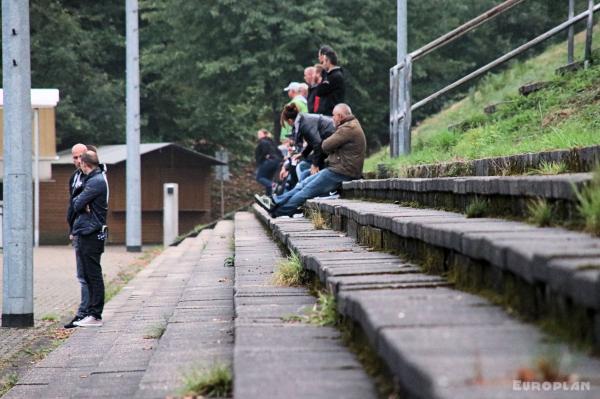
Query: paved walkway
{"points": [[173, 318], [56, 290]]}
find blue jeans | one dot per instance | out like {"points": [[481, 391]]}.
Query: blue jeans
{"points": [[85, 292], [319, 184], [303, 170], [265, 172]]}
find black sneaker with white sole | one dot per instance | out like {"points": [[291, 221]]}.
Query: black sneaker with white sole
{"points": [[264, 202], [72, 324]]}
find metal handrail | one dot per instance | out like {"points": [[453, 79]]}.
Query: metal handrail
{"points": [[401, 79], [507, 57], [460, 31], [464, 29]]}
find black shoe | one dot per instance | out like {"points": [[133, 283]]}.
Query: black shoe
{"points": [[71, 323], [264, 202]]}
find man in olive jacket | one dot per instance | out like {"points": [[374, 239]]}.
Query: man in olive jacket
{"points": [[346, 147]]}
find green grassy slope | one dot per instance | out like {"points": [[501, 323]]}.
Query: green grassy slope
{"points": [[564, 115]]}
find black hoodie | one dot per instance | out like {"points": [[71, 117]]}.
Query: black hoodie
{"points": [[332, 91]]}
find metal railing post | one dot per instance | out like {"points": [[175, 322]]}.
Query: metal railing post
{"points": [[589, 33], [571, 40], [393, 113], [407, 113], [397, 82]]}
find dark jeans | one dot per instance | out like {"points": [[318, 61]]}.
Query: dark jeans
{"points": [[90, 250], [265, 172], [85, 292]]}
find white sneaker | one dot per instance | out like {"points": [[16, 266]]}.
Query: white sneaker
{"points": [[89, 321]]}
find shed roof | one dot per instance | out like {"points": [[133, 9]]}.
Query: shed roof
{"points": [[117, 153], [40, 98]]}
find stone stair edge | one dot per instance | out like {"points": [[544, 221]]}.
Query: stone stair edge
{"points": [[398, 359], [579, 159], [518, 256], [544, 186]]}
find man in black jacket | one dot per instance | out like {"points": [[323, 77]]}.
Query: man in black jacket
{"points": [[332, 90], [75, 183], [90, 207]]}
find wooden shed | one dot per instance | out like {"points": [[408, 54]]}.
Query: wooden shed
{"points": [[43, 104], [161, 163]]}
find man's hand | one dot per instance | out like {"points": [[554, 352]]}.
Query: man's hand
{"points": [[71, 237], [314, 169], [296, 157], [87, 208]]}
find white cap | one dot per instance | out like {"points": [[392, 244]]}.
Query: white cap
{"points": [[295, 86]]}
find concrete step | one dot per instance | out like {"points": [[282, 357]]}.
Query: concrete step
{"points": [[434, 191], [199, 332], [506, 195], [549, 272], [577, 159], [275, 359], [92, 360], [438, 342]]}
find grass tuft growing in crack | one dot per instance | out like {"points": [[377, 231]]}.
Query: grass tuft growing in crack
{"points": [[324, 312], [289, 272], [477, 208], [589, 203], [7, 382], [550, 168], [540, 212], [155, 331], [216, 382], [319, 222]]}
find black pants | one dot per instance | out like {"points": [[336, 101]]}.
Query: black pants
{"points": [[90, 251]]}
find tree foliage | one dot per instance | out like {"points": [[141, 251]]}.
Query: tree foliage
{"points": [[214, 71]]}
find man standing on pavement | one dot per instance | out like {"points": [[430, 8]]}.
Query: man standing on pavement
{"points": [[75, 183], [90, 207]]}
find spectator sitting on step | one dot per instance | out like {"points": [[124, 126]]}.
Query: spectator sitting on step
{"points": [[267, 158], [347, 150], [311, 129], [296, 97]]}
